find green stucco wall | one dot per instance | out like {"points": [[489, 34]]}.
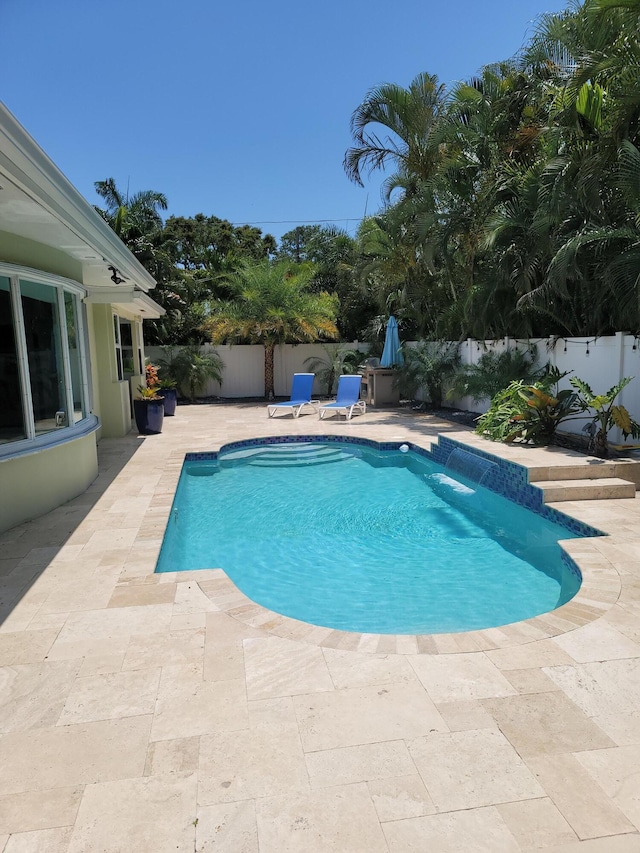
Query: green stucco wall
{"points": [[40, 481]]}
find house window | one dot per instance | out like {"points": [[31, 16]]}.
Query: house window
{"points": [[75, 360], [126, 344], [43, 375], [118, 339], [12, 425], [44, 353]]}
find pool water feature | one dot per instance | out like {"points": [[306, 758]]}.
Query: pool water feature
{"points": [[359, 539], [469, 465]]}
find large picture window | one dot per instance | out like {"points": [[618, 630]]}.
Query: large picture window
{"points": [[44, 352], [42, 361], [12, 426]]}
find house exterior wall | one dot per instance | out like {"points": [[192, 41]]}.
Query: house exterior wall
{"points": [[34, 478], [38, 482], [111, 395], [63, 274]]}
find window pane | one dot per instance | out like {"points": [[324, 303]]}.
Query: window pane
{"points": [[126, 340], [42, 332], [116, 330], [71, 310], [12, 425]]}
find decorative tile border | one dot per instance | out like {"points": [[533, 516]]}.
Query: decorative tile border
{"points": [[512, 481]]}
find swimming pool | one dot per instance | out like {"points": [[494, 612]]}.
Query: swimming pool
{"points": [[351, 537]]}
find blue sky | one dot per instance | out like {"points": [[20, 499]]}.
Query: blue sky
{"points": [[238, 110]]}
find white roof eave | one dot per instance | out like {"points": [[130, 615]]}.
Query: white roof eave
{"points": [[31, 170]]}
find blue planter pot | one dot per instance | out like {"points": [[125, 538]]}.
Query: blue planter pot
{"points": [[170, 401], [149, 416]]}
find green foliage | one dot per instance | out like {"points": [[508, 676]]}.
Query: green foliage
{"points": [[532, 413], [333, 253], [337, 361], [517, 196], [528, 412], [149, 394], [427, 368], [493, 372], [607, 415], [208, 243], [190, 369], [272, 304]]}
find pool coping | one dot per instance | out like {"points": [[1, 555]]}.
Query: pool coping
{"points": [[599, 591]]}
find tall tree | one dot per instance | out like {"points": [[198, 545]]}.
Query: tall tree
{"points": [[272, 304], [131, 217], [333, 253], [410, 116]]}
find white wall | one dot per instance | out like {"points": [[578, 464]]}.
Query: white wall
{"points": [[608, 360], [243, 374], [601, 363]]}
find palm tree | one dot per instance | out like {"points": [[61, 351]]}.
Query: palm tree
{"points": [[131, 216], [272, 304], [336, 361], [191, 369], [410, 115]]}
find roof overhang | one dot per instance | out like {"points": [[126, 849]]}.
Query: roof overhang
{"points": [[39, 203], [128, 301]]}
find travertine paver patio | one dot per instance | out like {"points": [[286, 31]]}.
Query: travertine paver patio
{"points": [[143, 712]]}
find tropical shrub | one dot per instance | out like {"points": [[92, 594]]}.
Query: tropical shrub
{"points": [[606, 416], [191, 369], [529, 412], [493, 372], [340, 359], [151, 375], [149, 393], [427, 368]]}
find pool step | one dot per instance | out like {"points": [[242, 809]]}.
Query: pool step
{"points": [[585, 489], [283, 456], [590, 469]]}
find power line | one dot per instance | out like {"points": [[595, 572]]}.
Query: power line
{"points": [[295, 221]]}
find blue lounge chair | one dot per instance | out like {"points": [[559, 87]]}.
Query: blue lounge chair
{"points": [[300, 395], [347, 400]]}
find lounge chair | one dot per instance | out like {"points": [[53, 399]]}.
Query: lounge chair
{"points": [[347, 399], [300, 395]]}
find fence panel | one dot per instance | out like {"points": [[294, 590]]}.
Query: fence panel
{"points": [[602, 363]]}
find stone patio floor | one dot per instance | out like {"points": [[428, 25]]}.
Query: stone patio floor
{"points": [[150, 713]]}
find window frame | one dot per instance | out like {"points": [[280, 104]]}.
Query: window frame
{"points": [[71, 429]]}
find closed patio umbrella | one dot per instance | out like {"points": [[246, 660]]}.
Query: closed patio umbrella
{"points": [[392, 354]]}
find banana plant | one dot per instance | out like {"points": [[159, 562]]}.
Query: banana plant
{"points": [[607, 415]]}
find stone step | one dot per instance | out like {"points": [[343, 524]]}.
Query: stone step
{"points": [[590, 469], [586, 489]]}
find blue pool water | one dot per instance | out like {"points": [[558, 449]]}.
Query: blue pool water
{"points": [[349, 537]]}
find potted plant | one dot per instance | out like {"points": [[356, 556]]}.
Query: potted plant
{"points": [[168, 388], [149, 407]]}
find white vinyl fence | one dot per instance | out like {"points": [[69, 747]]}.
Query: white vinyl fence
{"points": [[243, 374], [600, 362]]}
